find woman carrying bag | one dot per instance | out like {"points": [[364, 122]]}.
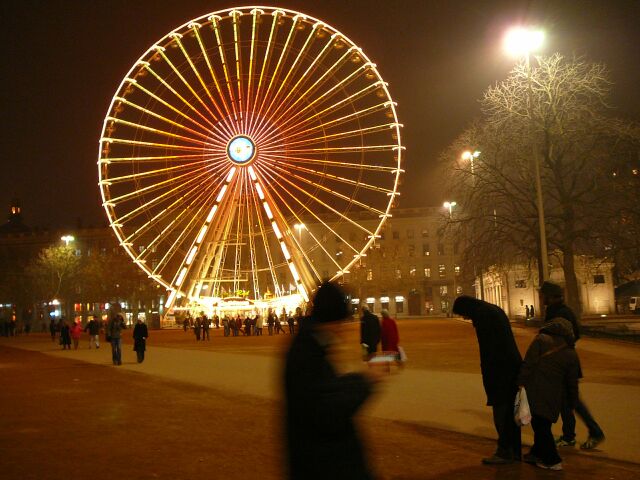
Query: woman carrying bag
{"points": [[550, 372]]}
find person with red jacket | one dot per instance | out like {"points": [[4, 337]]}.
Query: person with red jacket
{"points": [[76, 331], [389, 333]]}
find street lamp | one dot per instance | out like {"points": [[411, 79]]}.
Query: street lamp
{"points": [[67, 239], [299, 227], [521, 42], [470, 156], [450, 206]]}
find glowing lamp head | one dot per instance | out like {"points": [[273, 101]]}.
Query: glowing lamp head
{"points": [[521, 41], [241, 150]]}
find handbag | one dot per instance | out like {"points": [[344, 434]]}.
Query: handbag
{"points": [[521, 410]]}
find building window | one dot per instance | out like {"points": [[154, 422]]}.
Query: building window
{"points": [[598, 279], [396, 235], [398, 273], [369, 274], [384, 302], [78, 252], [412, 250], [521, 284], [425, 233], [399, 307], [440, 249], [443, 290], [410, 233], [427, 272], [425, 250], [456, 268], [412, 271], [458, 290], [442, 271]]}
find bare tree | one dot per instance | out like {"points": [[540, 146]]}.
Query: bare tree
{"points": [[555, 110]]}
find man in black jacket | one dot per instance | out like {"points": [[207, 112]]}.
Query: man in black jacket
{"points": [[369, 331], [322, 441], [500, 363], [553, 299]]}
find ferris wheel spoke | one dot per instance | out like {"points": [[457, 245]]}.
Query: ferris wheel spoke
{"points": [[196, 174], [290, 125], [139, 143], [159, 132], [221, 115], [266, 61], [328, 138], [348, 165], [285, 179], [164, 119], [328, 190], [353, 117], [185, 101], [273, 178], [216, 28], [326, 76], [156, 159], [214, 77], [322, 174], [152, 173], [291, 71], [275, 76], [252, 247], [238, 59], [189, 87], [205, 130], [255, 13]]}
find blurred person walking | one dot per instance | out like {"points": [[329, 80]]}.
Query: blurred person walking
{"points": [[93, 329], [369, 332], [500, 363], [140, 335], [206, 324], [553, 300], [549, 374], [76, 332], [322, 442], [65, 334], [197, 326], [389, 337], [114, 335]]}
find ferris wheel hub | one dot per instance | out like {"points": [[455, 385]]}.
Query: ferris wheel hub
{"points": [[241, 150]]}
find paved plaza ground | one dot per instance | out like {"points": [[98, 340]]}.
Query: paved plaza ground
{"points": [[213, 409]]}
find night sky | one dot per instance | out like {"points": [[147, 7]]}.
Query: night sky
{"points": [[62, 62]]}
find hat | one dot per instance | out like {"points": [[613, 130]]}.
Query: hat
{"points": [[551, 289], [330, 303]]}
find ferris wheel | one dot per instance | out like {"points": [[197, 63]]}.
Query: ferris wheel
{"points": [[253, 149]]}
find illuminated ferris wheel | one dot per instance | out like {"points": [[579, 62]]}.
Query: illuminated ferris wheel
{"points": [[252, 149]]}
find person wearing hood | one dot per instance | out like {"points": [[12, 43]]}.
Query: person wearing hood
{"points": [[553, 299], [500, 363], [549, 374], [322, 441], [369, 331]]}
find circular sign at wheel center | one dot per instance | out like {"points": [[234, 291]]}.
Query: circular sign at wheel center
{"points": [[241, 150]]}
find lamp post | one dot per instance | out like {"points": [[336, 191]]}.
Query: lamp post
{"points": [[449, 205], [67, 239], [520, 42], [470, 156]]}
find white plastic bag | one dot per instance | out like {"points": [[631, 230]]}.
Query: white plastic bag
{"points": [[521, 411]]}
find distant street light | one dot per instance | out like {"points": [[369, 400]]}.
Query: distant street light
{"points": [[67, 239], [299, 227], [450, 206], [521, 42]]}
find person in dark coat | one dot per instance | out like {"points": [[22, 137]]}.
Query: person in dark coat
{"points": [[553, 299], [549, 374], [369, 331], [65, 335], [322, 442], [500, 363], [140, 335]]}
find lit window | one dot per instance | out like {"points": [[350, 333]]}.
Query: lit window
{"points": [[425, 250], [442, 271], [78, 252], [443, 290], [458, 290], [398, 273], [369, 274], [412, 271], [425, 233], [521, 284], [427, 272], [456, 268]]}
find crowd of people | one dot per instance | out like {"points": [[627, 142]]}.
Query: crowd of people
{"points": [[243, 324]]}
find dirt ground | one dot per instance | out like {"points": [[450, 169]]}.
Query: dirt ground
{"points": [[66, 419]]}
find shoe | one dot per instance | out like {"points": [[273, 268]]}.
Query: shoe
{"points": [[530, 458], [557, 466], [561, 442], [496, 460], [592, 442]]}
